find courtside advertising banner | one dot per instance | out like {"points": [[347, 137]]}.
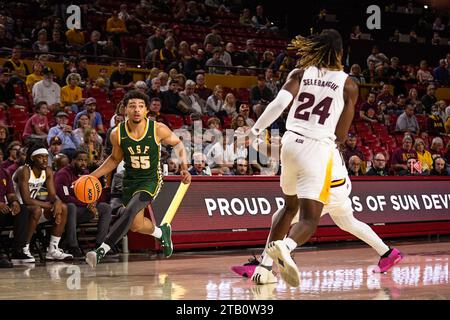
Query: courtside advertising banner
{"points": [[240, 204]]}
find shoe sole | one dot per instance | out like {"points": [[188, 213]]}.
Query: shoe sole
{"points": [[91, 259], [396, 261], [287, 267], [64, 259], [19, 261]]}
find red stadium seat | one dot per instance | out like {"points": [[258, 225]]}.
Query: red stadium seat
{"points": [[174, 120]]}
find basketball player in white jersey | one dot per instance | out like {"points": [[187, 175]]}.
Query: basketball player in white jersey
{"points": [[28, 180], [323, 99]]}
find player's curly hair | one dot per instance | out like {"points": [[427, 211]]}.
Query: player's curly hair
{"points": [[321, 51]]}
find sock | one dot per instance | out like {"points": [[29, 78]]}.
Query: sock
{"points": [[157, 233], [291, 244], [105, 247], [54, 241], [387, 253], [267, 261]]}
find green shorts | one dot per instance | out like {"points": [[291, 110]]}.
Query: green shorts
{"points": [[130, 187]]}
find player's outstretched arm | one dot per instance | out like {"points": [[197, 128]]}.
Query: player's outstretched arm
{"points": [[166, 136], [345, 121], [281, 101], [113, 160]]}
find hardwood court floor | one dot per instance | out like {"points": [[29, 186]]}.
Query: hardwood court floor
{"points": [[327, 271]]}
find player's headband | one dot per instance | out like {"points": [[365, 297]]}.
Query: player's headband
{"points": [[39, 151]]}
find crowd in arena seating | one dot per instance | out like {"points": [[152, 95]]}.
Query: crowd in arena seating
{"points": [[400, 127]]}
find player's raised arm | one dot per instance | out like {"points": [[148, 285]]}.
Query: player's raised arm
{"points": [[166, 136], [113, 160], [346, 118], [282, 100]]}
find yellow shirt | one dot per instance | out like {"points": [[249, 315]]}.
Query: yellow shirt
{"points": [[31, 80], [69, 95], [74, 37], [425, 159], [447, 125], [115, 25]]}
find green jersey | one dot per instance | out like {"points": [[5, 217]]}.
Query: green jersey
{"points": [[142, 161]]}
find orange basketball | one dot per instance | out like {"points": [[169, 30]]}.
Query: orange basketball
{"points": [[87, 189]]}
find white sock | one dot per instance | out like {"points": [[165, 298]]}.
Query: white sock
{"points": [[54, 242], [266, 260], [157, 233], [291, 244], [105, 247]]}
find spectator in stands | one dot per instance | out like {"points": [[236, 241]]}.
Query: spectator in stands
{"points": [[199, 166], [441, 109], [381, 75], [441, 73], [226, 58], [164, 78], [155, 109], [215, 65], [250, 55], [123, 14], [172, 103], [5, 139], [7, 93], [201, 89], [47, 90], [401, 155], [369, 74], [370, 115], [168, 56], [356, 33], [261, 22], [93, 148], [438, 25], [435, 122], [423, 155], [192, 100], [79, 212], [54, 150], [13, 148], [95, 118], [447, 153], [154, 43], [260, 96], [378, 166], [82, 124], [241, 167], [437, 147], [214, 37], [356, 75], [51, 210], [83, 71], [19, 70], [140, 86], [214, 103], [377, 57], [407, 121], [35, 76], [268, 60], [369, 104], [351, 149], [64, 132], [57, 45], [115, 26], [413, 99], [37, 126], [93, 48], [184, 52], [229, 105], [195, 65], [270, 81], [121, 78], [173, 167], [238, 122], [354, 166], [245, 18], [5, 41], [396, 76], [155, 90], [75, 38], [60, 161], [13, 214], [244, 110], [236, 57], [386, 96], [71, 94], [439, 167], [429, 99], [424, 75], [20, 161], [111, 49], [41, 45]]}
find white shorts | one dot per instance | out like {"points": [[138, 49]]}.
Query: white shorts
{"points": [[306, 167]]}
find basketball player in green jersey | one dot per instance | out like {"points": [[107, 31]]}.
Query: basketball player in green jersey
{"points": [[137, 142]]}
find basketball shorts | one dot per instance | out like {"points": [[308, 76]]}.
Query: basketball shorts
{"points": [[306, 167], [131, 187]]}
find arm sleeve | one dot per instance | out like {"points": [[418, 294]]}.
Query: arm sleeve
{"points": [[273, 111]]}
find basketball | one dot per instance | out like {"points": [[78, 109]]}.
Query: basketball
{"points": [[88, 189]]}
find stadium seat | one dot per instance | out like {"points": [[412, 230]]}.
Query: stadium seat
{"points": [[174, 120]]}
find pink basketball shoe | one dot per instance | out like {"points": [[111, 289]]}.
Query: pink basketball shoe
{"points": [[247, 269], [388, 262]]}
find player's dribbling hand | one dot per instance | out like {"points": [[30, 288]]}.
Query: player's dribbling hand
{"points": [[185, 176]]}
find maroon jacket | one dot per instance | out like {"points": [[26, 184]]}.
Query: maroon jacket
{"points": [[63, 182]]}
